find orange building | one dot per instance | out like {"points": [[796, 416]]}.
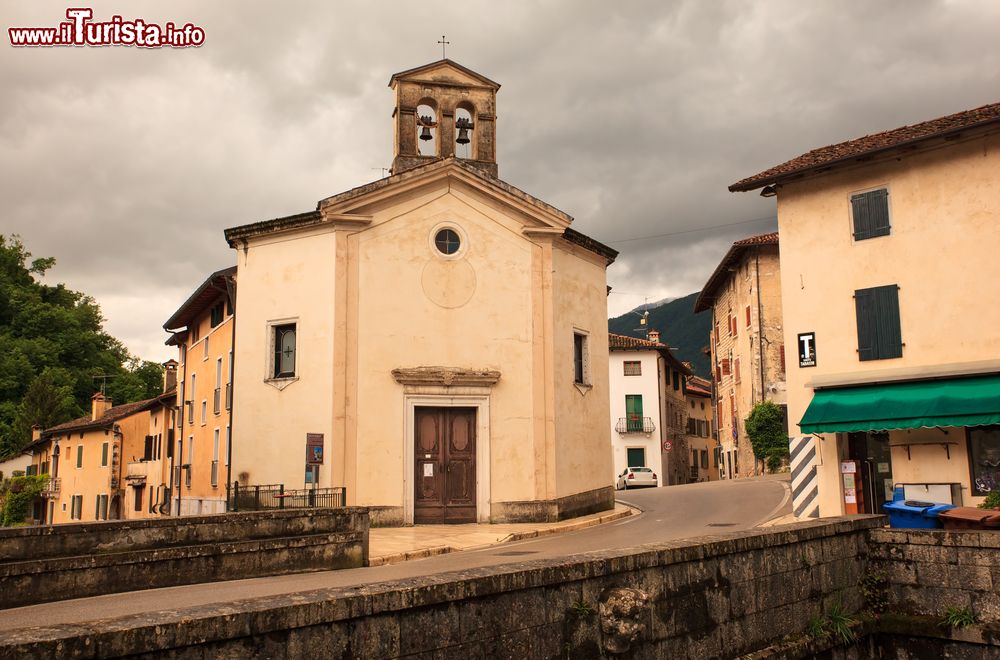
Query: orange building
{"points": [[202, 329], [86, 461]]}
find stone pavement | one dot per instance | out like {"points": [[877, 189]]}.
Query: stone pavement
{"points": [[390, 545]]}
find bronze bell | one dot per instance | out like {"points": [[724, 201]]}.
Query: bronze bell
{"points": [[463, 126], [425, 132]]}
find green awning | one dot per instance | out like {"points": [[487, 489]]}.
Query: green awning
{"points": [[971, 401]]}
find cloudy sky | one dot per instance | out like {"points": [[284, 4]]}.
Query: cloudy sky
{"points": [[127, 164]]}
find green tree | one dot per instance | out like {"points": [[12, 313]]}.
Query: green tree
{"points": [[21, 492], [52, 342], [765, 426]]}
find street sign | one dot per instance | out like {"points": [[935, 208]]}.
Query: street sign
{"points": [[807, 349], [314, 449], [667, 445]]}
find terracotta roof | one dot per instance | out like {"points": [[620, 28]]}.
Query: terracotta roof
{"points": [[735, 253], [820, 160], [205, 295], [698, 386], [623, 342], [109, 417]]}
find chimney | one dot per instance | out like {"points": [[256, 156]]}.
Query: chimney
{"points": [[99, 404], [169, 375], [36, 433], [653, 335]]}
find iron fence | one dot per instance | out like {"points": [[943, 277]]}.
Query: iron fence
{"points": [[242, 497]]}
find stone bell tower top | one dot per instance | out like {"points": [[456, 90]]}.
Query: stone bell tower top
{"points": [[442, 110]]}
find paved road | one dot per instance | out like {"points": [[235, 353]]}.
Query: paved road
{"points": [[670, 513]]}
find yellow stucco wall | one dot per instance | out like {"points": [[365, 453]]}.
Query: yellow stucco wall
{"points": [[208, 370], [941, 252], [583, 457], [372, 298]]}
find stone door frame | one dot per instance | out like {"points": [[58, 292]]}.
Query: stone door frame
{"points": [[481, 402]]}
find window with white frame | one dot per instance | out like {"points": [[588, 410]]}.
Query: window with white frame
{"points": [[284, 349]]}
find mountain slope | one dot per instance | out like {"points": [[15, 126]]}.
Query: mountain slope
{"points": [[679, 328]]}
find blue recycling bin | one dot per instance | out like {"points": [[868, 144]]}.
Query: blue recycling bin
{"points": [[913, 514]]}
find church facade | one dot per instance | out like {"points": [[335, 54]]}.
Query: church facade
{"points": [[434, 342]]}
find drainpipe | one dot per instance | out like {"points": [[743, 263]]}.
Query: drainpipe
{"points": [[760, 327], [231, 292], [179, 440]]}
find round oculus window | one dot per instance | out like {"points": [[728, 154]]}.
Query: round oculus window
{"points": [[447, 241]]}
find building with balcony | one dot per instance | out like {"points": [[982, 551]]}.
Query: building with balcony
{"points": [[202, 329], [648, 411], [889, 264], [86, 461], [747, 343]]}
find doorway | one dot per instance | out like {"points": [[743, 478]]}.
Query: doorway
{"points": [[444, 465], [871, 451]]}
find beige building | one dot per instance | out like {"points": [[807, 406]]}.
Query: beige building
{"points": [[202, 329], [435, 342], [747, 343], [889, 264], [703, 446]]}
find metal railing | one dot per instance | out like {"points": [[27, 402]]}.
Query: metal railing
{"points": [[274, 496], [217, 401], [52, 488], [187, 475], [632, 424], [229, 396]]}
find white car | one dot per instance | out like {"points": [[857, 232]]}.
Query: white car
{"points": [[634, 477]]}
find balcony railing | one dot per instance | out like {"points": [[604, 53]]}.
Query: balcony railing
{"points": [[52, 488], [635, 424], [274, 496], [215, 473], [187, 475], [229, 396], [217, 401]]}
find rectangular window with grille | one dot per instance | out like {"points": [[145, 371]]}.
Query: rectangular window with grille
{"points": [[581, 359], [879, 332], [633, 368], [870, 214]]}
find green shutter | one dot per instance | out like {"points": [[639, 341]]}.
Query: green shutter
{"points": [[888, 331], [636, 457], [865, 312], [870, 211], [879, 332]]}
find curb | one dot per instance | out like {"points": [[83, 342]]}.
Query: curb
{"points": [[424, 553]]}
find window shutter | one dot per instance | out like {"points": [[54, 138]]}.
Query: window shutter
{"points": [[748, 316], [887, 327], [782, 351], [871, 214], [864, 307], [879, 332]]}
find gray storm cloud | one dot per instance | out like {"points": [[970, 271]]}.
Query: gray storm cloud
{"points": [[126, 165]]}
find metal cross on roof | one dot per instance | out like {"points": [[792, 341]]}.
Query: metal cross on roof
{"points": [[443, 45]]}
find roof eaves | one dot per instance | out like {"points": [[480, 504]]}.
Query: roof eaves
{"points": [[186, 310], [707, 295]]}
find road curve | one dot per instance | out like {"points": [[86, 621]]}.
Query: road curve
{"points": [[669, 513]]}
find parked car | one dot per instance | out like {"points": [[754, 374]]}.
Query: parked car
{"points": [[636, 477]]}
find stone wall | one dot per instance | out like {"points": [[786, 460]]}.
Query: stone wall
{"points": [[930, 570], [714, 596], [60, 562], [752, 593]]}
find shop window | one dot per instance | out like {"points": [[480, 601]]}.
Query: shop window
{"points": [[984, 459]]}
